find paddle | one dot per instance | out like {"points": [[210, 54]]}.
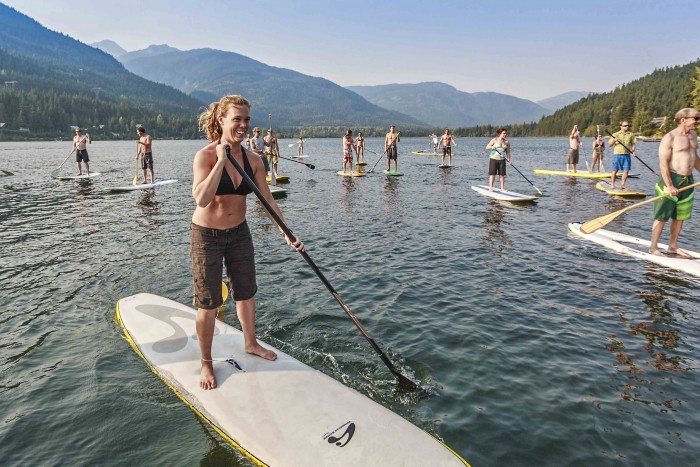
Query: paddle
{"points": [[7, 172], [600, 222], [136, 176], [55, 172], [290, 145], [401, 378], [382, 155], [528, 180], [630, 151], [311, 166]]}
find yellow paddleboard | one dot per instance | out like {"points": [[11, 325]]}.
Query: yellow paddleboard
{"points": [[627, 192], [279, 179], [350, 174]]}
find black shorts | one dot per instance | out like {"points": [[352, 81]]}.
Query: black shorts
{"points": [[497, 167], [447, 150], [209, 250], [81, 155], [147, 160], [392, 153]]}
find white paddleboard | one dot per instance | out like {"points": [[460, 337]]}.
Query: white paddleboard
{"points": [[619, 242], [300, 157], [275, 413], [142, 186], [78, 177], [275, 190], [503, 195]]}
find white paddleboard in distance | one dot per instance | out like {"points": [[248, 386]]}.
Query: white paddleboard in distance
{"points": [[626, 244], [276, 413], [79, 177], [142, 186], [503, 195]]}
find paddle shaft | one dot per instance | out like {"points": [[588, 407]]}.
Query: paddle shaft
{"points": [[630, 151], [516, 169], [136, 175], [600, 222], [64, 160], [287, 231], [382, 156], [311, 166]]}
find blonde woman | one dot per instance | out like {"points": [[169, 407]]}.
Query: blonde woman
{"points": [[220, 233]]}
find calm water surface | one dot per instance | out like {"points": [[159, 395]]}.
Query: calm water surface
{"points": [[534, 347]]}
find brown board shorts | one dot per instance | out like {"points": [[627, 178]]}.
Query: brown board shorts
{"points": [[210, 249]]}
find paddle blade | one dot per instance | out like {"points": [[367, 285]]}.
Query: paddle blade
{"points": [[311, 166], [405, 382], [600, 222], [224, 292], [133, 182]]}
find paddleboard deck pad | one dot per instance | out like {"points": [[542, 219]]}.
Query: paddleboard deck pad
{"points": [[79, 177], [639, 248], [350, 174], [142, 186], [275, 413], [581, 174], [503, 195], [393, 173], [627, 193]]}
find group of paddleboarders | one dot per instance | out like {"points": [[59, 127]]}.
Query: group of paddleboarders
{"points": [[219, 231]]}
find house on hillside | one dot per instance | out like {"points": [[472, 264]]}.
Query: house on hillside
{"points": [[658, 122]]}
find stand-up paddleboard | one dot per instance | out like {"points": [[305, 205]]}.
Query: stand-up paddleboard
{"points": [[279, 179], [424, 153], [143, 186], [79, 177], [350, 174], [275, 190], [300, 157], [503, 195], [275, 413], [393, 173], [361, 163], [444, 166], [626, 193], [581, 174], [618, 242]]}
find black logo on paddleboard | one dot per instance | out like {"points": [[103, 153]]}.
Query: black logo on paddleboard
{"points": [[343, 439]]}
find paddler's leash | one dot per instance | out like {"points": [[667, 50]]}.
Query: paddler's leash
{"points": [[382, 156], [630, 151], [287, 231], [516, 169]]}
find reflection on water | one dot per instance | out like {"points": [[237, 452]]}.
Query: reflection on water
{"points": [[391, 190], [84, 187], [495, 239], [148, 203]]}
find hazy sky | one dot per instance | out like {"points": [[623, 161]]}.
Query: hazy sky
{"points": [[527, 48]]}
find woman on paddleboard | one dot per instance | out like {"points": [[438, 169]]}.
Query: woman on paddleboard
{"points": [[598, 152], [360, 145], [500, 151], [219, 229]]}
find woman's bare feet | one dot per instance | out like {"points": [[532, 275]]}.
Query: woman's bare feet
{"points": [[207, 380], [261, 351], [678, 252]]}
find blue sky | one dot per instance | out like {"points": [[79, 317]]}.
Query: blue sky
{"points": [[529, 48]]}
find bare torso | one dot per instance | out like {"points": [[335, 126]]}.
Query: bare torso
{"points": [[684, 150]]}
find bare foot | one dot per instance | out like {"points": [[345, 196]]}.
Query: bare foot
{"points": [[261, 351], [656, 252], [678, 252], [207, 380]]}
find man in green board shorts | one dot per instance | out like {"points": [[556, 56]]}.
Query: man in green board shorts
{"points": [[678, 155]]}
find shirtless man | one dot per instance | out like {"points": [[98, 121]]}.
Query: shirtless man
{"points": [[257, 146], [574, 145], [446, 141], [348, 146], [300, 144], [390, 141], [146, 152], [272, 150], [81, 154], [678, 156]]}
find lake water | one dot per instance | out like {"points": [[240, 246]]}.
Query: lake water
{"points": [[533, 347]]}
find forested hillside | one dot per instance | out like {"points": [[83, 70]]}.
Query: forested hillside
{"points": [[49, 82]]}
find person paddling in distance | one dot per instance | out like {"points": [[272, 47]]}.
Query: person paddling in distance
{"points": [[257, 146], [80, 143], [272, 150], [434, 139], [390, 148], [446, 141], [574, 146], [300, 145], [348, 146], [219, 228], [622, 159], [598, 152], [678, 156], [145, 151], [500, 152], [360, 147]]}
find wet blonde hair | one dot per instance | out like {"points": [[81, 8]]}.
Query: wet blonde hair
{"points": [[209, 119], [685, 113]]}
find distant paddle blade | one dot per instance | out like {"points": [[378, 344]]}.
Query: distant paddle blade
{"points": [[312, 167], [224, 292], [7, 172]]}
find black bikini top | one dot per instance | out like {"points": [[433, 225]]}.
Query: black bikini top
{"points": [[226, 186]]}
